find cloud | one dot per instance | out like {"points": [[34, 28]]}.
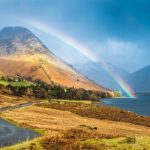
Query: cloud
{"points": [[126, 54], [119, 47]]}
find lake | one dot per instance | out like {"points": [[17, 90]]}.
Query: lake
{"points": [[140, 105]]}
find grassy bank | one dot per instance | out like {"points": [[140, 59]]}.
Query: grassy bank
{"points": [[81, 140]]}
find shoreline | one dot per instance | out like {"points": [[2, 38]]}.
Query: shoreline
{"points": [[117, 97]]}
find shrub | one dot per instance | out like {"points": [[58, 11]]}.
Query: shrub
{"points": [[130, 140]]}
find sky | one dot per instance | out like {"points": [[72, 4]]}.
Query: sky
{"points": [[116, 30]]}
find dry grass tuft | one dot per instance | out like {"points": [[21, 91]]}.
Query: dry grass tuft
{"points": [[71, 139]]}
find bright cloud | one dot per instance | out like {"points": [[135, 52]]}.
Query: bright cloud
{"points": [[127, 54]]}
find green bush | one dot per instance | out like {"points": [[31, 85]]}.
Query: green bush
{"points": [[130, 140], [117, 94]]}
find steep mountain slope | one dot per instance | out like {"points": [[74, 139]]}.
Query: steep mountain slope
{"points": [[99, 75], [22, 53], [140, 80]]}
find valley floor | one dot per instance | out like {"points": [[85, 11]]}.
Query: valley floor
{"points": [[78, 125]]}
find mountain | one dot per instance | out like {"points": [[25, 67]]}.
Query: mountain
{"points": [[17, 40], [140, 80], [99, 75], [23, 54]]}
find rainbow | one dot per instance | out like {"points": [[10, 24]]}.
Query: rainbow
{"points": [[83, 50]]}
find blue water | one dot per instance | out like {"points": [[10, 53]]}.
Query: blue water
{"points": [[140, 105]]}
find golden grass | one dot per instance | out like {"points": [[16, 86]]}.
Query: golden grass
{"points": [[53, 119], [6, 101], [100, 112], [65, 130]]}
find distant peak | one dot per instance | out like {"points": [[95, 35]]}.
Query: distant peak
{"points": [[12, 32], [20, 40], [14, 28]]}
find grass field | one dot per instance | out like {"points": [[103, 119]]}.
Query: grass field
{"points": [[99, 111], [70, 125], [6, 100], [51, 119], [23, 83]]}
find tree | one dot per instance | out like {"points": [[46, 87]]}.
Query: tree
{"points": [[117, 94]]}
